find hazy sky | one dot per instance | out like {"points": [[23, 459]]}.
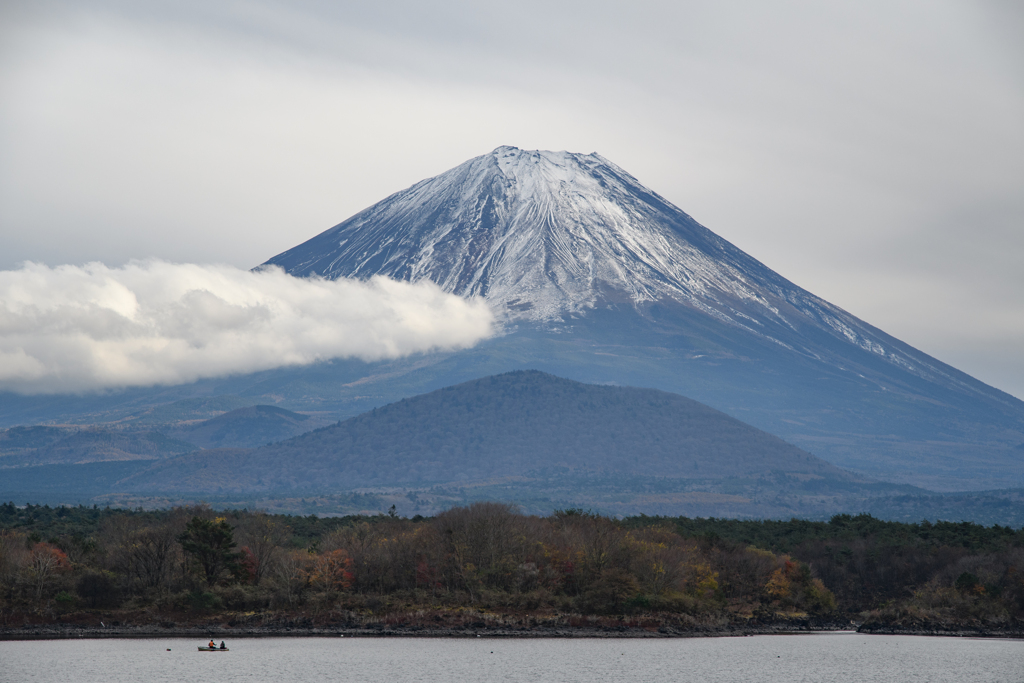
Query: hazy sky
{"points": [[872, 152]]}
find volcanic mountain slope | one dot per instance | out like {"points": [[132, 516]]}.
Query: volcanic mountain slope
{"points": [[548, 235], [32, 446], [600, 279], [247, 427], [541, 441], [520, 424]]}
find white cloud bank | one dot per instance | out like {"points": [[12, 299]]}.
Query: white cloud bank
{"points": [[78, 329]]}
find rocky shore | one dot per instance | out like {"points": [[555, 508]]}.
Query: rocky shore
{"points": [[303, 628], [466, 623], [950, 630], [222, 632]]}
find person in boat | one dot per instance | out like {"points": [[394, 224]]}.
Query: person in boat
{"points": [[212, 645], [223, 646]]}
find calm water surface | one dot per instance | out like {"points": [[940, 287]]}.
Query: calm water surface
{"points": [[822, 658]]}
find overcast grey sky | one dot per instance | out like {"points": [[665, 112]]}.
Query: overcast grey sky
{"points": [[872, 152]]}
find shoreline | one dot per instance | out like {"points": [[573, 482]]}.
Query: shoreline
{"points": [[220, 632]]}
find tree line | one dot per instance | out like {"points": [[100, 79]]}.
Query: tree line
{"points": [[61, 561]]}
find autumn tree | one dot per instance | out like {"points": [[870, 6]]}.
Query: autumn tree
{"points": [[290, 571], [330, 571], [13, 557], [262, 538], [46, 561], [142, 551], [656, 559], [484, 542], [593, 543]]}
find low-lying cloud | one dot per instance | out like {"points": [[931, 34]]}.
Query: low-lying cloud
{"points": [[86, 328]]}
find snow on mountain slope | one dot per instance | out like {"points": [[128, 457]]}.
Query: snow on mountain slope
{"points": [[539, 234], [546, 236]]}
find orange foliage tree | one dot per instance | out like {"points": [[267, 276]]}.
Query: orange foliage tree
{"points": [[46, 561], [331, 571]]}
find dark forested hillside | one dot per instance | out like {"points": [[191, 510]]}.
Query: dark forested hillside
{"points": [[20, 446], [248, 427], [518, 424], [23, 450], [540, 440], [524, 421]]}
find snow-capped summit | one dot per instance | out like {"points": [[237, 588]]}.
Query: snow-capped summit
{"points": [[540, 234], [546, 236]]}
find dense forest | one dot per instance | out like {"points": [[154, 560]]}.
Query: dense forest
{"points": [[186, 564]]}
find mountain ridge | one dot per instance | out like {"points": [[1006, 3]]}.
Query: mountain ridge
{"points": [[527, 433], [600, 279], [548, 235], [659, 464]]}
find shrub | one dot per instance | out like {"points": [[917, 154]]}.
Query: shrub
{"points": [[98, 589], [203, 601], [65, 601], [610, 592]]}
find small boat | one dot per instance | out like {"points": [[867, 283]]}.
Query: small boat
{"points": [[203, 648]]}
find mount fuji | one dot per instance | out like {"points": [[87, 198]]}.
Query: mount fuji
{"points": [[546, 236], [598, 278]]}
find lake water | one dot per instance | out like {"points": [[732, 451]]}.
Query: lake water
{"points": [[822, 658]]}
